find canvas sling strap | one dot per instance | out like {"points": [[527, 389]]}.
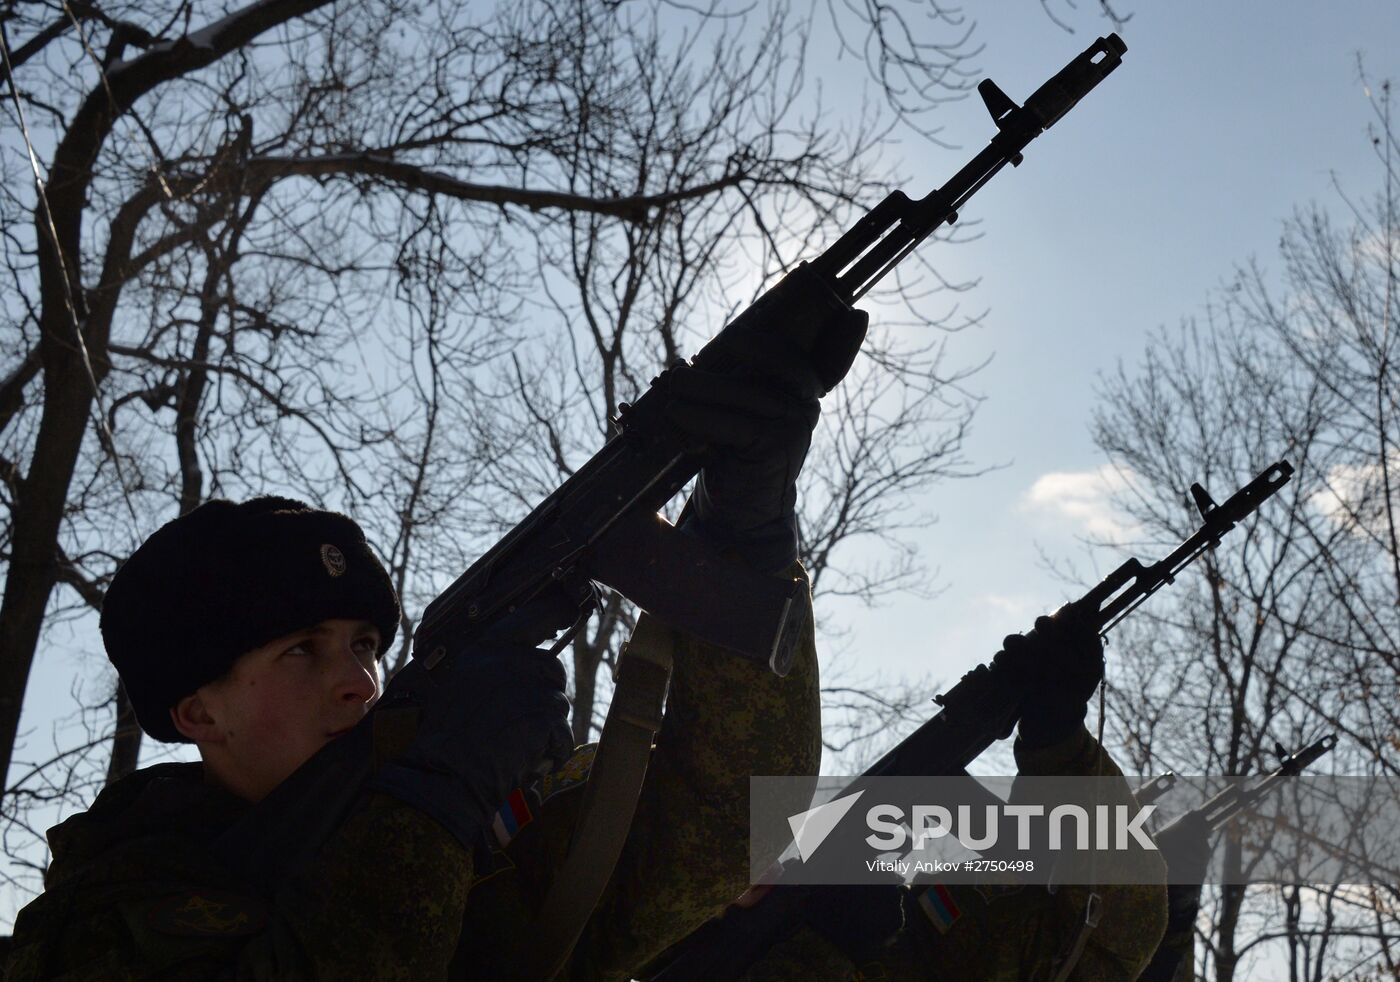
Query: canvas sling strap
{"points": [[609, 799], [1066, 963], [1093, 907]]}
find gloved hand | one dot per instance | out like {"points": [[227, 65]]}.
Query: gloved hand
{"points": [[1063, 660], [746, 495], [487, 720], [555, 608], [1185, 846], [758, 422]]}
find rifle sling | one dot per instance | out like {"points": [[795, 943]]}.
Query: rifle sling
{"points": [[609, 801], [1066, 963], [1093, 906]]}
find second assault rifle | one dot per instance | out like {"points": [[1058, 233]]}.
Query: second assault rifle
{"points": [[1184, 897], [982, 708], [1220, 808]]}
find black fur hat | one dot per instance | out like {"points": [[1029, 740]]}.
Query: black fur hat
{"points": [[228, 578]]}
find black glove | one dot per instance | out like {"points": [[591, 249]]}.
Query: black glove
{"points": [[746, 495], [1063, 660], [1185, 846], [557, 607], [488, 719], [758, 422]]}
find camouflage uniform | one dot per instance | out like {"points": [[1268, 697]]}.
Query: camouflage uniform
{"points": [[686, 857], [1002, 932], [133, 892]]}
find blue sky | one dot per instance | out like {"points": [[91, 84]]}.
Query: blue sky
{"points": [[1123, 218]]}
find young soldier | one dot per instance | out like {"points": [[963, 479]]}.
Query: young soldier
{"points": [[254, 630]]}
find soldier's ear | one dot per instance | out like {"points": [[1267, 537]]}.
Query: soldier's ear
{"points": [[191, 717]]}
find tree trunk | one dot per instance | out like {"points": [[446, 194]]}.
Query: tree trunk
{"points": [[38, 515], [587, 658], [589, 655], [1231, 898], [69, 389]]}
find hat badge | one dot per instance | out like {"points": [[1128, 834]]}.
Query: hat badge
{"points": [[333, 559]]}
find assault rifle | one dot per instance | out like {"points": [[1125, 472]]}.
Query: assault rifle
{"points": [[602, 524], [1183, 899], [982, 708], [1220, 808], [616, 494]]}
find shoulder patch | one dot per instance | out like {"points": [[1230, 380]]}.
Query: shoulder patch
{"points": [[522, 806], [513, 816], [207, 913], [570, 774], [938, 905]]}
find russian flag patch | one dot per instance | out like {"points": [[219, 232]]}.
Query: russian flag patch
{"points": [[937, 902], [513, 816]]}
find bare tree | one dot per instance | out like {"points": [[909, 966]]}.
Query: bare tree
{"points": [[1291, 628], [406, 261]]}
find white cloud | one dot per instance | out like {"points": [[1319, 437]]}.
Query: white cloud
{"points": [[1081, 500], [1354, 496]]}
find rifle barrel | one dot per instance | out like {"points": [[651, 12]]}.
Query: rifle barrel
{"points": [[880, 240], [1226, 804], [1132, 583]]}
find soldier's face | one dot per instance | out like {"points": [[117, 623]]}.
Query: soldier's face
{"points": [[284, 701]]}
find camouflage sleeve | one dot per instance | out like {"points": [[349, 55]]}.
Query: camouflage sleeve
{"points": [[1133, 917], [686, 856], [1021, 931], [382, 900]]}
